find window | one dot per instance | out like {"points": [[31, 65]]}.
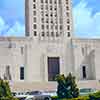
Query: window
{"points": [[51, 26], [42, 7], [41, 1], [21, 73], [42, 19], [46, 1], [68, 27], [34, 19], [22, 50], [52, 21], [42, 13], [60, 27], [46, 7], [42, 33], [42, 26], [50, 1], [47, 33], [68, 34], [55, 1], [67, 2], [56, 27], [55, 8], [34, 0], [46, 15], [68, 21], [67, 7], [84, 72], [34, 26], [50, 7], [35, 33], [47, 26], [34, 13], [67, 13], [34, 6], [57, 34], [52, 33]]}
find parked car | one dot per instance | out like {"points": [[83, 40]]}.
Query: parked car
{"points": [[51, 93], [33, 95], [87, 91]]}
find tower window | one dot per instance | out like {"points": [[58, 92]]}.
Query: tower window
{"points": [[68, 27], [50, 1], [67, 8], [42, 26], [34, 19], [67, 13], [68, 34], [84, 72], [34, 0], [34, 6], [21, 73], [46, 1], [42, 33], [35, 33], [68, 21], [41, 1], [60, 27], [34, 26], [34, 13]]}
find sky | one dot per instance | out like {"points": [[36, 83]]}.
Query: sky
{"points": [[86, 18]]}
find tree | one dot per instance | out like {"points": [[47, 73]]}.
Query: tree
{"points": [[67, 87], [4, 89]]}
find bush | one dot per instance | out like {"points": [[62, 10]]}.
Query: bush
{"points": [[5, 92], [79, 98], [5, 89], [67, 87], [95, 96]]}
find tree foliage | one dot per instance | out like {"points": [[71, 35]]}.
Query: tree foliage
{"points": [[67, 87], [4, 89]]}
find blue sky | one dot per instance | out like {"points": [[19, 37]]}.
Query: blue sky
{"points": [[86, 18]]}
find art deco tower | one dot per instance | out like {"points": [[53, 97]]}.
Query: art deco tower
{"points": [[48, 19]]}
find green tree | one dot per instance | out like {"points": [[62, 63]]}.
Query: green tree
{"points": [[67, 87], [5, 89]]}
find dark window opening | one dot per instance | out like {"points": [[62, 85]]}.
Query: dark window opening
{"points": [[53, 68], [35, 33], [68, 34], [21, 73], [84, 72]]}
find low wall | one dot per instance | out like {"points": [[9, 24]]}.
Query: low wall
{"points": [[27, 86]]}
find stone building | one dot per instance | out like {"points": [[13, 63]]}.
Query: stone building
{"points": [[49, 46]]}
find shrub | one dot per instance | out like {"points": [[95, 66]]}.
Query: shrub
{"points": [[5, 92], [95, 96], [79, 98], [67, 87], [5, 89]]}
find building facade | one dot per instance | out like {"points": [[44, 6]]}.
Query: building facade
{"points": [[49, 47]]}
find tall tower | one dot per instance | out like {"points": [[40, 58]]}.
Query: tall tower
{"points": [[48, 19]]}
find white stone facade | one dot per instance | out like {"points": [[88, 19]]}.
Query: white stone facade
{"points": [[49, 34]]}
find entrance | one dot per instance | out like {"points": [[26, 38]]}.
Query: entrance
{"points": [[53, 68]]}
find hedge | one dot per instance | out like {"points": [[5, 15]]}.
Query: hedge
{"points": [[79, 98], [8, 98], [94, 96]]}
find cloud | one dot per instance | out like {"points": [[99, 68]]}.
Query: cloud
{"points": [[17, 29], [12, 10], [86, 24]]}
